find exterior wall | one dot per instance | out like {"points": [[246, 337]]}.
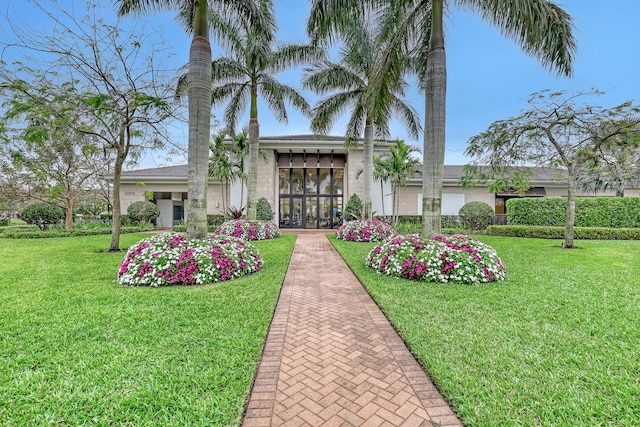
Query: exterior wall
{"points": [[132, 193], [411, 198], [353, 185]]}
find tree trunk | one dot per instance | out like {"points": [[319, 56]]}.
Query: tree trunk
{"points": [[571, 211], [116, 208], [368, 170], [384, 215], [254, 147], [68, 209], [434, 128], [199, 82]]}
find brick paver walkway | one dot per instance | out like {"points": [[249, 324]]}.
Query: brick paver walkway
{"points": [[332, 358]]}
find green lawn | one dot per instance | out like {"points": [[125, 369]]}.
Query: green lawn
{"points": [[556, 344], [78, 349]]}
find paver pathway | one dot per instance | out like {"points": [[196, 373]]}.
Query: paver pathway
{"points": [[331, 357]]}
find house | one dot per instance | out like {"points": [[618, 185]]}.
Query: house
{"points": [[308, 180]]}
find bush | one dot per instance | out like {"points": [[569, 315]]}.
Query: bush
{"points": [[214, 220], [363, 230], [353, 210], [143, 212], [4, 221], [33, 233], [173, 259], [557, 232], [476, 215], [42, 214], [608, 212], [248, 229], [445, 259], [263, 210]]}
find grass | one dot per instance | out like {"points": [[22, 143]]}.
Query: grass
{"points": [[556, 344], [78, 349]]}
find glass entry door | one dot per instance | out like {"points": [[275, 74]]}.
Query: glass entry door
{"points": [[310, 197]]}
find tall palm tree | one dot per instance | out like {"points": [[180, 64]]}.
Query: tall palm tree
{"points": [[248, 70], [541, 27], [351, 85], [198, 18], [398, 165]]}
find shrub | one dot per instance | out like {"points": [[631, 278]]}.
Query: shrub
{"points": [[248, 229], [476, 215], [215, 220], [556, 232], [263, 210], [173, 259], [364, 231], [445, 259], [4, 221], [613, 212], [34, 233], [42, 214], [143, 211], [353, 210]]}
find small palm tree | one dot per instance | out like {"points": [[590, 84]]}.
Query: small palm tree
{"points": [[541, 27], [223, 166], [351, 86], [248, 71], [396, 166]]}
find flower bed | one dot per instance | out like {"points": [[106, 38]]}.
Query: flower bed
{"points": [[173, 259], [248, 229], [454, 258], [364, 231]]}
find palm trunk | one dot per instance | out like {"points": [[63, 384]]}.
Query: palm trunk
{"points": [[384, 214], [254, 146], [434, 134], [368, 170], [199, 82], [571, 211]]}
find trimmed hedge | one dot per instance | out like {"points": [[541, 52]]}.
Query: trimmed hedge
{"points": [[557, 232], [212, 221], [614, 212], [38, 234]]}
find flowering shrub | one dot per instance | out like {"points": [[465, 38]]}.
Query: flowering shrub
{"points": [[173, 259], [364, 231], [248, 230], [454, 258]]}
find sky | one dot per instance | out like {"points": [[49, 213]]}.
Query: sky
{"points": [[488, 77]]}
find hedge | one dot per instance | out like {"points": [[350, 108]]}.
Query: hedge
{"points": [[38, 234], [556, 232], [614, 212]]}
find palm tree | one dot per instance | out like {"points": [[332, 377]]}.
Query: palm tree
{"points": [[223, 165], [542, 29], [398, 165], [197, 18], [249, 70], [351, 85]]}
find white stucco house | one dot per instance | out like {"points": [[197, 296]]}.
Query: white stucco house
{"points": [[308, 180]]}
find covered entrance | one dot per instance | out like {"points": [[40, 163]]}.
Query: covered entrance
{"points": [[311, 197]]}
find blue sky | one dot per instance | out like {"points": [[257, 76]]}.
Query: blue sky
{"points": [[489, 78]]}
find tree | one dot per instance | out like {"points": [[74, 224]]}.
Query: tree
{"points": [[41, 144], [249, 70], [120, 91], [555, 131], [616, 168], [542, 28], [399, 165], [223, 166], [198, 18], [351, 85]]}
